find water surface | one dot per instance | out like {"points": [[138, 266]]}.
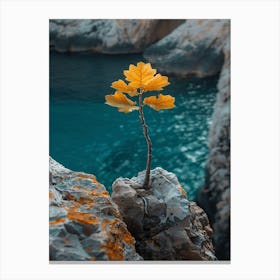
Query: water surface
{"points": [[87, 135]]}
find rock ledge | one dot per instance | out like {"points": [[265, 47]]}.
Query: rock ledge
{"points": [[165, 224], [84, 223]]}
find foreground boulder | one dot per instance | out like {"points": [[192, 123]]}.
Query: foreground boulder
{"points": [[84, 223], [165, 224], [193, 48], [214, 197], [108, 36]]}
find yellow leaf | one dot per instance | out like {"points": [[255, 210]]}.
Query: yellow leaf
{"points": [[157, 83], [160, 103], [139, 75], [120, 85], [120, 101]]}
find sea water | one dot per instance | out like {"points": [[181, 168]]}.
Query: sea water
{"points": [[88, 135]]}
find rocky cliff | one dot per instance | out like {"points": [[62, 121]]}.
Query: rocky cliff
{"points": [[196, 47], [84, 223], [202, 48], [108, 36], [165, 224], [214, 197], [193, 48]]}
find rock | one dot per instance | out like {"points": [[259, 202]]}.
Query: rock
{"points": [[84, 223], [108, 36], [214, 197], [193, 48], [165, 224]]}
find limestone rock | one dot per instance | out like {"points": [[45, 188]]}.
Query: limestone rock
{"points": [[214, 197], [108, 36], [84, 223], [165, 224], [193, 48]]}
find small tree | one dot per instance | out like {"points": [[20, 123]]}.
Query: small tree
{"points": [[141, 78]]}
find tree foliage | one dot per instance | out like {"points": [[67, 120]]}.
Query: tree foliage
{"points": [[141, 78]]}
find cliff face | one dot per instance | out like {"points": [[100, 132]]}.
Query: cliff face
{"points": [[165, 224], [108, 36], [84, 223], [202, 48], [214, 197], [193, 48]]}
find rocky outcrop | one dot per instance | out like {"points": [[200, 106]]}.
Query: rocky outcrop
{"points": [[165, 224], [193, 48], [84, 223], [202, 48], [108, 36], [214, 197]]}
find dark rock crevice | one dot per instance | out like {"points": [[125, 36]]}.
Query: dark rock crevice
{"points": [[214, 197]]}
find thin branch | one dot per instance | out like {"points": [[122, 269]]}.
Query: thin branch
{"points": [[148, 140]]}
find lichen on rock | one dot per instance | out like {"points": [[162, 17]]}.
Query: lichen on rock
{"points": [[84, 223], [165, 224]]}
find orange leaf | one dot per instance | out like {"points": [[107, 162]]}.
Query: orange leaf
{"points": [[120, 101], [157, 83], [139, 75], [160, 103], [120, 85]]}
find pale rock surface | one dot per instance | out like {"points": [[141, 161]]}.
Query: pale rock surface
{"points": [[84, 223], [165, 224], [110, 36], [193, 48]]}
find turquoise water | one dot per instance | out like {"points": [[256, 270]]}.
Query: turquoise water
{"points": [[87, 135]]}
